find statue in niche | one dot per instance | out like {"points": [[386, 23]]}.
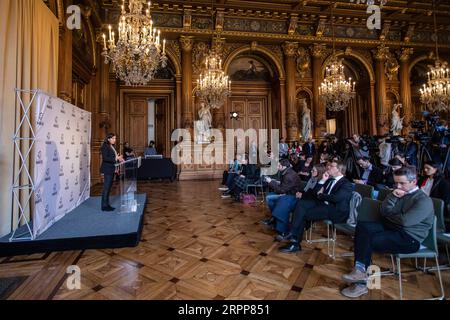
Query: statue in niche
{"points": [[396, 121], [204, 124], [306, 120]]}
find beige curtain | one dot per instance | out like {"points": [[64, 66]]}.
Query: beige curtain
{"points": [[29, 34]]}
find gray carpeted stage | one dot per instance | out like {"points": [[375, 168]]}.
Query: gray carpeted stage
{"points": [[86, 227]]}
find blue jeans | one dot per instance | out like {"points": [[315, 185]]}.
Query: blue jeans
{"points": [[271, 199], [283, 207], [230, 180]]}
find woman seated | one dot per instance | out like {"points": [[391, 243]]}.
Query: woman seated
{"points": [[233, 168], [435, 185], [151, 150], [249, 174], [305, 172]]}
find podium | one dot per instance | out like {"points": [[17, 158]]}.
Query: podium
{"points": [[128, 171]]}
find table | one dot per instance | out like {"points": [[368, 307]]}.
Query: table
{"points": [[157, 169]]}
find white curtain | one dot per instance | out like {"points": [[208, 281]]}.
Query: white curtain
{"points": [[29, 37]]}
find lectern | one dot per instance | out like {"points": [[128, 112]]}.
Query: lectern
{"points": [[128, 184]]}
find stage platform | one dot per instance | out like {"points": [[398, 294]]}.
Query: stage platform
{"points": [[86, 227]]}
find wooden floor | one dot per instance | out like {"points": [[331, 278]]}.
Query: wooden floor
{"points": [[197, 246]]}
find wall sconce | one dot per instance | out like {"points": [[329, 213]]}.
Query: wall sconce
{"points": [[234, 115]]}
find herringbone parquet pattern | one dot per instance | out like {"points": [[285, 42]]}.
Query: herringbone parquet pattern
{"points": [[197, 246]]}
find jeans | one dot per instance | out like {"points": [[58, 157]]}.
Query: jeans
{"points": [[376, 237], [230, 180], [281, 212], [107, 184], [271, 199]]}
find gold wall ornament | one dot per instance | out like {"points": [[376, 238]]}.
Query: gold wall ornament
{"points": [[381, 52], [293, 23], [186, 43], [199, 54], [303, 62], [391, 67], [290, 48], [138, 52], [187, 19], [318, 50], [405, 53], [410, 32], [320, 28]]}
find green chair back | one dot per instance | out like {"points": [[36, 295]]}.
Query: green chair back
{"points": [[438, 205], [364, 190], [369, 210], [431, 240]]}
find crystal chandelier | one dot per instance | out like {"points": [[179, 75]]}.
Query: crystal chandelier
{"points": [[436, 92], [335, 91], [138, 53], [213, 86]]}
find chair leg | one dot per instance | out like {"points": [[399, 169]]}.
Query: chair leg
{"points": [[400, 278], [440, 279]]}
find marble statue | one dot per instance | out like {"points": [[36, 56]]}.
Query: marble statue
{"points": [[306, 121], [396, 121], [204, 124]]}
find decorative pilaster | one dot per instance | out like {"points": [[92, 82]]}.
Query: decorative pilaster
{"points": [[318, 108], [405, 86], [186, 43], [380, 55], [289, 49]]}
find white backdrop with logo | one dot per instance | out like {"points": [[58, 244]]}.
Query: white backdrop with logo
{"points": [[62, 160]]}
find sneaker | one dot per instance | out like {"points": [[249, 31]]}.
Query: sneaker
{"points": [[292, 247], [285, 236], [225, 196], [355, 276], [269, 221], [356, 290], [223, 188]]}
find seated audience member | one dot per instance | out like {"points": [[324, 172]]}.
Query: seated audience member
{"points": [[324, 157], [232, 176], [151, 150], [295, 162], [287, 203], [128, 153], [249, 174], [394, 164], [406, 218], [332, 203], [288, 185], [309, 148], [370, 174], [305, 171], [234, 167], [435, 185], [283, 148]]}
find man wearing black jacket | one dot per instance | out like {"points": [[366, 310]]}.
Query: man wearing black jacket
{"points": [[333, 203], [370, 174]]}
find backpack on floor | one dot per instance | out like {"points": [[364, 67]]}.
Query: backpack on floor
{"points": [[248, 198]]}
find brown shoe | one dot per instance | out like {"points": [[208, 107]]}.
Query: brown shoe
{"points": [[356, 290], [355, 276]]}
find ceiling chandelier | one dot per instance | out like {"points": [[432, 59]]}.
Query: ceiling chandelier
{"points": [[213, 86], [335, 91], [138, 53], [436, 92]]}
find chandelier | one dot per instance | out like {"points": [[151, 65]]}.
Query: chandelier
{"points": [[436, 92], [335, 91], [138, 53], [213, 86]]}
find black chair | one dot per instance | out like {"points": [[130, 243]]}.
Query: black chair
{"points": [[364, 190], [383, 193]]}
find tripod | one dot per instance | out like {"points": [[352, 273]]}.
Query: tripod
{"points": [[423, 151], [350, 162]]}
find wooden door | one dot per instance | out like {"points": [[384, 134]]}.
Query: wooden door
{"points": [[252, 112], [160, 126], [137, 134]]}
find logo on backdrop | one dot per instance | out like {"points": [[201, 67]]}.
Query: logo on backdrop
{"points": [[82, 140], [67, 184], [73, 139], [55, 156], [67, 155], [49, 104], [85, 128], [77, 154], [68, 125], [60, 203], [78, 126], [76, 180], [61, 171], [62, 109], [38, 198], [62, 139], [73, 113], [39, 157], [49, 138], [72, 170], [47, 175], [55, 190], [82, 115], [71, 196], [47, 212], [40, 121], [55, 124]]}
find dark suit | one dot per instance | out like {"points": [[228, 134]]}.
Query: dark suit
{"points": [[108, 169], [334, 206], [308, 149], [375, 178], [440, 190]]}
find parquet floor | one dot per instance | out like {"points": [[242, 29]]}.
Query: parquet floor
{"points": [[197, 246]]}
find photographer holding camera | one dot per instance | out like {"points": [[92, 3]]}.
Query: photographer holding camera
{"points": [[360, 148]]}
